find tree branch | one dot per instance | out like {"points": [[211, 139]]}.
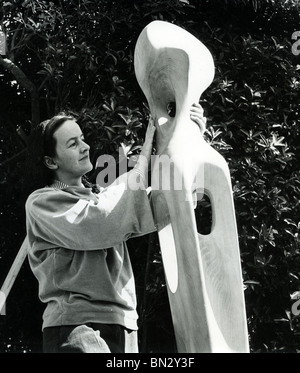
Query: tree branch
{"points": [[13, 157], [17, 73], [26, 83]]}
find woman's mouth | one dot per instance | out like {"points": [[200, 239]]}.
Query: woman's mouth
{"points": [[84, 158]]}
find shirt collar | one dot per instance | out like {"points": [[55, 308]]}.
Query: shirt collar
{"points": [[58, 185]]}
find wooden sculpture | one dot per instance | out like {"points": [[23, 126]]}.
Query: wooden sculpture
{"points": [[203, 272]]}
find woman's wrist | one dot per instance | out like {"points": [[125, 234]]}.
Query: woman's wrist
{"points": [[147, 150]]}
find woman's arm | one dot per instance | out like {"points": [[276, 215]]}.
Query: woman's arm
{"points": [[76, 219]]}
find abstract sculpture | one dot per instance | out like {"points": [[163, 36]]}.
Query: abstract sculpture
{"points": [[203, 272]]}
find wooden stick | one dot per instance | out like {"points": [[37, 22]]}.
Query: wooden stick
{"points": [[13, 273]]}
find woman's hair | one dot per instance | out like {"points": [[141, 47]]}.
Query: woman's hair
{"points": [[42, 143]]}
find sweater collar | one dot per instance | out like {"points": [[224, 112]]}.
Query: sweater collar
{"points": [[58, 185], [80, 191]]}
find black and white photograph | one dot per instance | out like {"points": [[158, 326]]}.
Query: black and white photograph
{"points": [[149, 179]]}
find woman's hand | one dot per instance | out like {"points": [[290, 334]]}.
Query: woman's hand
{"points": [[198, 117]]}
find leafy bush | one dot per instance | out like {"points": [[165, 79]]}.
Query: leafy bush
{"points": [[256, 125]]}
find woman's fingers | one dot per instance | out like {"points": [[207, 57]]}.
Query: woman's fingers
{"points": [[197, 108], [150, 129], [197, 115]]}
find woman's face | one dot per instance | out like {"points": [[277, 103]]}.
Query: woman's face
{"points": [[72, 153]]}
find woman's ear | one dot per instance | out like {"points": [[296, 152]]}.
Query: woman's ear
{"points": [[50, 163]]}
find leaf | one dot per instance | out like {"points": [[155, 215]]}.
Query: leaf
{"points": [[290, 222], [113, 57], [290, 233], [295, 295], [252, 282], [126, 119], [110, 129], [107, 108]]}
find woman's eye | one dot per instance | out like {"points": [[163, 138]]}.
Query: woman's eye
{"points": [[72, 144]]}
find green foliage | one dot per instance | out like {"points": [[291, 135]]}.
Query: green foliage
{"points": [[79, 56]]}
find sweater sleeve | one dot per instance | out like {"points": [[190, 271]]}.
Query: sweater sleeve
{"points": [[75, 218]]}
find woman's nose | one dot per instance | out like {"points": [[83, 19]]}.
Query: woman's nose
{"points": [[85, 146]]}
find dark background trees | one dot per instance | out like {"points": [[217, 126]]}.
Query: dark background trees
{"points": [[77, 56]]}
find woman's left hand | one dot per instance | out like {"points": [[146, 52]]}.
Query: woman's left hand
{"points": [[198, 117]]}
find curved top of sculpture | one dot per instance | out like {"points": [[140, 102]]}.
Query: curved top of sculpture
{"points": [[172, 65]]}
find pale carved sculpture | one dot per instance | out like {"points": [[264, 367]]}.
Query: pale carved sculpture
{"points": [[203, 272]]}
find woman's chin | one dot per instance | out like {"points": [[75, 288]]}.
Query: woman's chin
{"points": [[89, 167]]}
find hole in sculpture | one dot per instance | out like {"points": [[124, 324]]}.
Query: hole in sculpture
{"points": [[171, 109], [203, 215]]}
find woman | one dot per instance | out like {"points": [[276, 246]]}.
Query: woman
{"points": [[77, 239]]}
